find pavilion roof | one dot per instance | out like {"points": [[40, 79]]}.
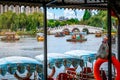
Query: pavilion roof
{"points": [[70, 4], [67, 4]]}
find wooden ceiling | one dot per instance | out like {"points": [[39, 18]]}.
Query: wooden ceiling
{"points": [[69, 4]]}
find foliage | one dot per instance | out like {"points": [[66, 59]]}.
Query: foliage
{"points": [[21, 22], [34, 22], [98, 20], [55, 23], [86, 15]]}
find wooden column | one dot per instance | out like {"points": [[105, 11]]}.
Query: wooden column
{"points": [[109, 42], [45, 41]]}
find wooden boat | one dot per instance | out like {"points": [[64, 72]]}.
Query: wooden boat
{"points": [[76, 40], [40, 38], [10, 36], [59, 34], [98, 34]]}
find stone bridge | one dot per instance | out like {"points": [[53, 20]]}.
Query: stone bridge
{"points": [[73, 28]]}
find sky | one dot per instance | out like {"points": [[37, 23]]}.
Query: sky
{"points": [[56, 13]]}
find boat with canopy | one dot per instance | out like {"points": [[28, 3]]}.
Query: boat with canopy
{"points": [[83, 54], [69, 61], [10, 36], [59, 60], [40, 37], [16, 65], [77, 37]]}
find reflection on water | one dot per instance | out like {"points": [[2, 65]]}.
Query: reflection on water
{"points": [[29, 47]]}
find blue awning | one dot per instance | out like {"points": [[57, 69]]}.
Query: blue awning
{"points": [[60, 59], [13, 63]]}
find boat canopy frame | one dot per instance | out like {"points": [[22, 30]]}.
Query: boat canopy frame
{"points": [[74, 4]]}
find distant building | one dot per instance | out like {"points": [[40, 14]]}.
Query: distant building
{"points": [[19, 9], [62, 18]]}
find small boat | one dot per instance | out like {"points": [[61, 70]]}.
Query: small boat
{"points": [[10, 36], [40, 37], [77, 38], [98, 34], [59, 34]]}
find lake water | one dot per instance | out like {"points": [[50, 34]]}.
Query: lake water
{"points": [[29, 47]]}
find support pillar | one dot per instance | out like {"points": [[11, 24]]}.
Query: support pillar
{"points": [[45, 41], [118, 41], [109, 42]]}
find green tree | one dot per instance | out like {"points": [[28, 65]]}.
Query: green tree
{"points": [[51, 23], [22, 21], [86, 15]]}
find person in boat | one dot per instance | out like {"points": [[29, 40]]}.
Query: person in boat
{"points": [[105, 39], [74, 36], [80, 36], [103, 50], [27, 77]]}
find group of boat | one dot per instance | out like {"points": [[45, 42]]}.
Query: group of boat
{"points": [[75, 37], [17, 65], [12, 36], [79, 37], [71, 65]]}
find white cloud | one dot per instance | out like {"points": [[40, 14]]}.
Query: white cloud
{"points": [[69, 13], [80, 14], [50, 15]]}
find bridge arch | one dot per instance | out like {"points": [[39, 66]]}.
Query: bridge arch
{"points": [[75, 30], [66, 31], [85, 30]]}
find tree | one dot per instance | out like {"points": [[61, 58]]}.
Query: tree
{"points": [[86, 15], [22, 21]]}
